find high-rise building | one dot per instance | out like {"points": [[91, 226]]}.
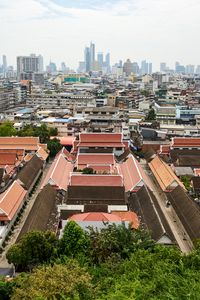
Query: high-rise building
{"points": [[144, 67], [41, 63], [27, 65], [4, 59], [108, 62], [100, 59], [87, 59], [197, 71], [127, 67], [189, 69], [135, 68], [163, 67], [92, 55], [150, 68]]}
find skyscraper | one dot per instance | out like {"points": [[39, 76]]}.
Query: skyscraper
{"points": [[41, 64], [87, 59], [144, 67], [92, 55], [127, 67], [150, 68], [108, 62], [163, 67], [4, 64], [100, 59]]}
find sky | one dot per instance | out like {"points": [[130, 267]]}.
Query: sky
{"points": [[155, 30]]}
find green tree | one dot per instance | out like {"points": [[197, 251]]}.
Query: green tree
{"points": [[7, 129], [53, 131], [43, 133], [116, 240], [151, 115], [88, 171], [74, 241], [55, 282], [6, 289], [54, 147], [34, 248]]}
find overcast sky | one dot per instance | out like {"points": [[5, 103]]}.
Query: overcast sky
{"points": [[156, 30]]}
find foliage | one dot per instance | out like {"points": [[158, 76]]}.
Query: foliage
{"points": [[88, 171], [186, 181], [34, 248], [54, 147], [74, 242], [151, 115], [6, 289], [7, 129], [145, 93], [55, 282], [116, 241], [119, 263]]}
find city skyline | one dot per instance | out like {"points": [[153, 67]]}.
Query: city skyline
{"points": [[126, 28]]}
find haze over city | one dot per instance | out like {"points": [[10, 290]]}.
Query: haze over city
{"points": [[144, 29]]}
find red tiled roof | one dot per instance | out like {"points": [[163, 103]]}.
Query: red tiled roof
{"points": [[24, 143], [59, 173], [11, 200], [108, 144], [66, 140], [42, 154], [100, 137], [164, 149], [95, 180], [97, 159], [95, 217], [185, 142], [8, 159], [133, 174], [129, 216]]}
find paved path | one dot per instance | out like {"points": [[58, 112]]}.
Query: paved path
{"points": [[180, 234], [31, 200]]}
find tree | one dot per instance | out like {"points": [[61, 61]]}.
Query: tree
{"points": [[88, 171], [7, 129], [43, 133], [34, 248], [75, 241], [6, 289], [54, 147], [151, 115], [53, 131], [55, 282], [116, 240]]}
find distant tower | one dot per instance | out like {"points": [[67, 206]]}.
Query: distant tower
{"points": [[108, 62], [100, 59], [87, 59], [92, 55], [4, 59]]}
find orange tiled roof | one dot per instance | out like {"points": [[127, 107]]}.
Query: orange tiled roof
{"points": [[97, 159], [95, 217], [129, 216], [100, 137], [95, 180], [42, 154], [8, 159], [59, 173], [133, 174], [164, 174], [24, 143], [11, 200], [185, 142]]}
